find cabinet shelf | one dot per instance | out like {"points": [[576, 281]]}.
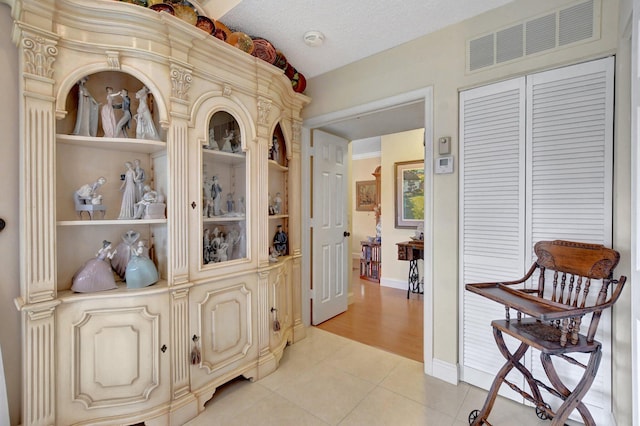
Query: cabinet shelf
{"points": [[274, 165], [278, 216], [67, 296], [110, 222], [231, 158], [118, 144], [224, 219]]}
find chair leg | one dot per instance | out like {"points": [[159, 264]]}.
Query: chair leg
{"points": [[572, 400], [513, 360]]}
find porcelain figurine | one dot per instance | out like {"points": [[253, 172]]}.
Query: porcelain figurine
{"points": [[213, 144], [141, 272], [128, 188], [87, 199], [96, 274], [145, 129], [277, 204], [216, 195], [228, 137], [121, 259], [280, 241], [108, 114], [139, 178], [122, 127], [88, 111], [230, 203]]}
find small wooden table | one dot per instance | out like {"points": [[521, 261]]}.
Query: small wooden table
{"points": [[412, 251]]}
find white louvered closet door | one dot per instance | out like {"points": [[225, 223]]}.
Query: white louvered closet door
{"points": [[570, 185], [492, 160], [564, 176]]}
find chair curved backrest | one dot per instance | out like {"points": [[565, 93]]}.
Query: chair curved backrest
{"points": [[575, 266]]}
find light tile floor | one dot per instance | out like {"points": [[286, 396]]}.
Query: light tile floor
{"points": [[326, 379]]}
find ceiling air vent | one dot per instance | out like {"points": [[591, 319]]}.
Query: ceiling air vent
{"points": [[551, 31]]}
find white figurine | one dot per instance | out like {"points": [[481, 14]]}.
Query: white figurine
{"points": [[127, 209], [87, 116], [141, 271], [241, 208], [213, 144], [206, 246], [122, 127], [216, 195], [96, 274], [145, 129], [150, 197], [273, 255], [222, 252], [122, 255], [277, 204], [89, 192], [228, 137], [139, 178], [108, 115], [87, 199]]}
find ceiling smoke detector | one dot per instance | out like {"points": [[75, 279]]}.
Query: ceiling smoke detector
{"points": [[313, 38]]}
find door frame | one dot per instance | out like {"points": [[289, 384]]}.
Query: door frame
{"points": [[634, 27], [426, 95]]}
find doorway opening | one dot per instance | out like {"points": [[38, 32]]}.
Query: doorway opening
{"points": [[393, 115]]}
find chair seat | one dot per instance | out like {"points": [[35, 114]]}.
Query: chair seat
{"points": [[543, 336]]}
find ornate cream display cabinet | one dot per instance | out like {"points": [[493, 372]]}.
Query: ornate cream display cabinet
{"points": [[224, 306]]}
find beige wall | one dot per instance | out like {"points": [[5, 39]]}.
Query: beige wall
{"points": [[9, 186], [405, 146], [438, 61], [363, 222]]}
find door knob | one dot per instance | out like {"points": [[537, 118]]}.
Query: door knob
{"points": [[346, 234]]}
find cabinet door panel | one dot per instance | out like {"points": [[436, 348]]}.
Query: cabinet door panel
{"points": [[108, 347], [110, 359], [224, 322]]}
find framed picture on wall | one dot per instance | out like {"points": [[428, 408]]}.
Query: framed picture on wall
{"points": [[409, 198], [365, 195]]}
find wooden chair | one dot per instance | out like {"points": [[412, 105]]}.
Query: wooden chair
{"points": [[554, 311]]}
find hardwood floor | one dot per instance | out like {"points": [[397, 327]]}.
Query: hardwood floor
{"points": [[382, 317]]}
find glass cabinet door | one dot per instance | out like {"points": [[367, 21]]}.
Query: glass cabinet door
{"points": [[224, 182]]}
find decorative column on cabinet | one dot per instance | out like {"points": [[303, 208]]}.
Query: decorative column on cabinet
{"points": [[265, 358], [37, 230], [264, 136], [295, 227], [178, 209]]}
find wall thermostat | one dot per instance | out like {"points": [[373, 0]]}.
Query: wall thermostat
{"points": [[444, 165]]}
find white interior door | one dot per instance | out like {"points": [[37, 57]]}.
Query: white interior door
{"points": [[330, 248]]}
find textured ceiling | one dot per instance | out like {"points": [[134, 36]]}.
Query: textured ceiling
{"points": [[353, 29]]}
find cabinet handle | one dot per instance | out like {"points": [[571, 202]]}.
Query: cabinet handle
{"points": [[193, 204], [346, 233], [163, 348], [2, 224]]}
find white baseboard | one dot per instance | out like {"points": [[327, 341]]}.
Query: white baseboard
{"points": [[387, 282], [445, 371]]}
